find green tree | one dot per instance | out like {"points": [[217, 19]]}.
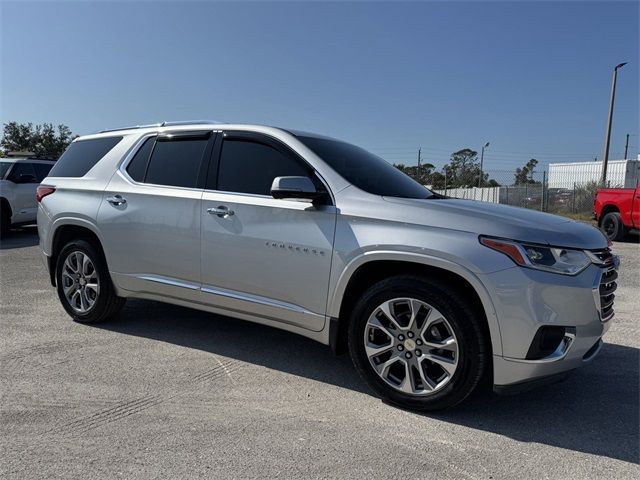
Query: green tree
{"points": [[421, 174], [43, 140], [437, 181], [463, 170], [524, 175]]}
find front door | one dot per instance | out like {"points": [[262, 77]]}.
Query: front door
{"points": [[25, 183], [262, 256]]}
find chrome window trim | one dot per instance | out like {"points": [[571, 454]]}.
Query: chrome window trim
{"points": [[132, 152]]}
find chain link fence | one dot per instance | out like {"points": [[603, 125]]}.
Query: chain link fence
{"points": [[576, 201]]}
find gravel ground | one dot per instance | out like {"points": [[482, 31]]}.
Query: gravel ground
{"points": [[167, 392]]}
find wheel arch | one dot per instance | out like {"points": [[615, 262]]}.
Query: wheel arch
{"points": [[371, 267], [608, 208], [65, 230], [4, 203]]}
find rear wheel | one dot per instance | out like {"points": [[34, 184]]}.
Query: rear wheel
{"points": [[613, 227], [418, 343], [84, 284]]}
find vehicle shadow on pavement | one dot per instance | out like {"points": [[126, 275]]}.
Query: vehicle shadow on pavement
{"points": [[594, 411], [241, 340], [20, 238]]}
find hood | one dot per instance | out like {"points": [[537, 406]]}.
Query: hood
{"points": [[503, 221]]}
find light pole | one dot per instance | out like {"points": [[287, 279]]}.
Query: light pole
{"points": [[607, 137], [482, 164]]}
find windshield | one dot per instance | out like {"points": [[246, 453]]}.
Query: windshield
{"points": [[4, 168], [365, 170]]}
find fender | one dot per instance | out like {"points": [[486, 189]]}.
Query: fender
{"points": [[65, 221], [469, 276]]}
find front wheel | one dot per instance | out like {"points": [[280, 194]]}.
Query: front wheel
{"points": [[84, 284], [418, 343]]}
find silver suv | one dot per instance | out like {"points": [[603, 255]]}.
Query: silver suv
{"points": [[430, 295]]}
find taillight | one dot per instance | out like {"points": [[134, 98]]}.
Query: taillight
{"points": [[42, 191]]}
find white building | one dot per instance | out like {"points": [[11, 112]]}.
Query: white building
{"points": [[620, 173]]}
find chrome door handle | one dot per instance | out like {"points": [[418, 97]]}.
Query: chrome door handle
{"points": [[221, 211], [117, 200]]}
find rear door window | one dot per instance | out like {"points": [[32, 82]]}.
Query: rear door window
{"points": [[176, 162], [138, 165], [23, 172], [82, 155]]}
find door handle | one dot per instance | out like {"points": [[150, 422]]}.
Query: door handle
{"points": [[116, 200], [221, 211]]}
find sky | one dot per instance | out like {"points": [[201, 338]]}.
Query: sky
{"points": [[531, 78]]}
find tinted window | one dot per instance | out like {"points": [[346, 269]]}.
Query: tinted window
{"points": [[138, 165], [176, 162], [4, 168], [23, 168], [250, 167], [82, 155], [365, 170], [42, 170]]}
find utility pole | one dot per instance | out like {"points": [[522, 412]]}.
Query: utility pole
{"points": [[626, 147], [420, 153], [482, 165], [607, 139]]}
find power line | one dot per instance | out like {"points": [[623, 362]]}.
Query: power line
{"points": [[452, 150]]}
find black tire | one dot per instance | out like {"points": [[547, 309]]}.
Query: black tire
{"points": [[467, 324], [107, 304], [612, 226], [5, 220]]}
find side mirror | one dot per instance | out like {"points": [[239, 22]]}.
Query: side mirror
{"points": [[27, 178], [301, 188]]}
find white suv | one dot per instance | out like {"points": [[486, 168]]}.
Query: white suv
{"points": [[429, 295], [19, 178]]}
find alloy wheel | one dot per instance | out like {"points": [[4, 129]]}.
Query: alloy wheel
{"points": [[411, 346], [609, 227], [80, 282]]}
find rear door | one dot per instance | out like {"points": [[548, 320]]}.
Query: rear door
{"points": [[150, 215], [266, 257]]}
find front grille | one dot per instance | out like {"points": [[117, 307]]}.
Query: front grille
{"points": [[608, 285]]}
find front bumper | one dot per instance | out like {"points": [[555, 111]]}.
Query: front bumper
{"points": [[526, 300]]}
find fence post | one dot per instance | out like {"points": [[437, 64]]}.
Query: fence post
{"points": [[544, 177], [526, 195], [573, 207]]}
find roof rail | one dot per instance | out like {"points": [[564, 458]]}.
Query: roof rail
{"points": [[165, 124]]}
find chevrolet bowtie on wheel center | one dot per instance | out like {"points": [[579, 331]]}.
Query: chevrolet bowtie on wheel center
{"points": [[431, 296]]}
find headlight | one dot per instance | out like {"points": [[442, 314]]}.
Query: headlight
{"points": [[550, 259]]}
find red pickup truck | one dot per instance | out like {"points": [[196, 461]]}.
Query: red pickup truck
{"points": [[617, 211]]}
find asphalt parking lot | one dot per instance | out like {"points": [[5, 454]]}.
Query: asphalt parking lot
{"points": [[167, 392]]}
